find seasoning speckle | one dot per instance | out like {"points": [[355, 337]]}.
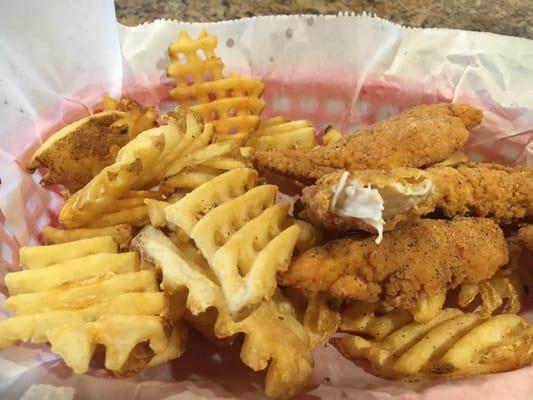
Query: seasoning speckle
{"points": [[230, 42]]}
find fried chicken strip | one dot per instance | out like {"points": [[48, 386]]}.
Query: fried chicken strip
{"points": [[377, 200], [420, 136], [412, 263], [525, 236]]}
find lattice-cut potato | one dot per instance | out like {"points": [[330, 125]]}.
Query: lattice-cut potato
{"points": [[245, 238], [274, 338], [76, 298], [119, 334], [33, 327], [82, 294], [57, 275], [137, 118], [33, 257], [331, 136], [122, 234], [277, 133], [318, 314], [231, 104], [508, 291], [372, 319], [453, 344], [141, 164]]}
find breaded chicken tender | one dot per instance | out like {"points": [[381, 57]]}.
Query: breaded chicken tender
{"points": [[377, 200], [525, 236], [420, 136], [412, 263]]}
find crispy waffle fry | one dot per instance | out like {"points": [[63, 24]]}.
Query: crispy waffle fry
{"points": [[97, 299], [310, 236], [120, 233], [221, 216], [453, 344], [271, 331], [43, 256], [331, 136], [140, 164], [493, 293], [190, 179], [135, 216], [36, 280], [372, 319], [232, 104], [136, 119], [321, 319], [281, 134], [427, 309]]}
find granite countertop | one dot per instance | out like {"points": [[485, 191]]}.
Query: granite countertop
{"points": [[508, 17]]}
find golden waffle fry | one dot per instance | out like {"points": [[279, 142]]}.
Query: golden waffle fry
{"points": [[283, 135], [76, 295], [321, 319], [34, 327], [331, 136], [96, 299], [493, 293], [427, 309], [274, 338], [189, 179], [453, 344], [135, 216], [36, 280], [372, 319], [140, 164], [221, 217], [202, 155], [232, 104], [137, 118], [43, 256], [310, 235], [120, 233], [119, 334]]}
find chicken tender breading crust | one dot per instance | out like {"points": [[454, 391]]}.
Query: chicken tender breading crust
{"points": [[504, 194], [412, 263], [420, 136], [525, 236]]}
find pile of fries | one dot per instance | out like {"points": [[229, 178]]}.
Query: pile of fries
{"points": [[168, 227]]}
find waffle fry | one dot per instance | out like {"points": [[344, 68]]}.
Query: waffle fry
{"points": [[97, 299], [135, 216], [427, 309], [120, 233], [321, 319], [202, 155], [40, 279], [281, 134], [221, 216], [140, 164], [493, 293], [372, 319], [272, 333], [231, 104], [43, 256], [453, 344], [137, 118], [331, 136]]}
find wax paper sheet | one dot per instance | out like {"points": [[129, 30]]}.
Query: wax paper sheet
{"points": [[57, 58]]}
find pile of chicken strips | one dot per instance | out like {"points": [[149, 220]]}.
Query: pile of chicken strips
{"points": [[398, 250]]}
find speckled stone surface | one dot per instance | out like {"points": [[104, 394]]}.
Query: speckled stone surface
{"points": [[508, 17]]}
